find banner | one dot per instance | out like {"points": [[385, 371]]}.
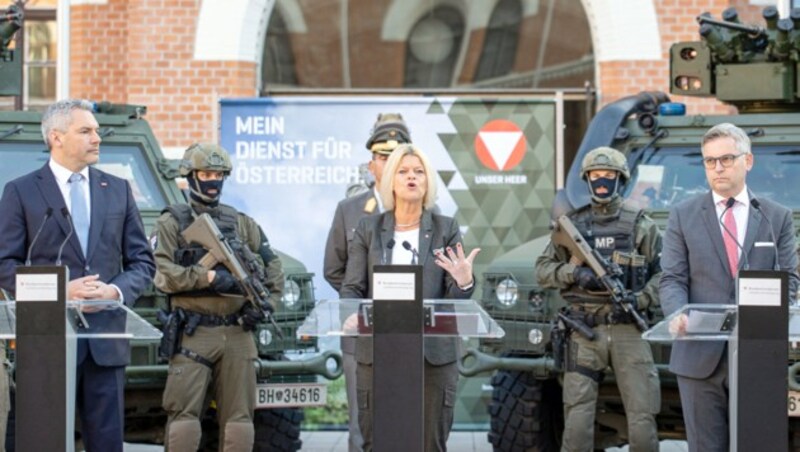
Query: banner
{"points": [[294, 157]]}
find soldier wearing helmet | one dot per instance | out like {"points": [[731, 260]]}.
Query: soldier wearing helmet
{"points": [[621, 234], [205, 167], [606, 171], [387, 133], [217, 346]]}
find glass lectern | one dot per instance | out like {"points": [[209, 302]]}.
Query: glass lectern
{"points": [[757, 350], [704, 322], [354, 317], [112, 320], [46, 361], [397, 330]]}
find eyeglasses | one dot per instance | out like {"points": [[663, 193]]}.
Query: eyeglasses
{"points": [[726, 160]]}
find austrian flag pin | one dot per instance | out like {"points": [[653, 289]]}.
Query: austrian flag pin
{"points": [[103, 184]]}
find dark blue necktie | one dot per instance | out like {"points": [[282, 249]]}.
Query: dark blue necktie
{"points": [[80, 211]]}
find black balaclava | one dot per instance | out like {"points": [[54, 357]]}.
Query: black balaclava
{"points": [[611, 185], [200, 191]]}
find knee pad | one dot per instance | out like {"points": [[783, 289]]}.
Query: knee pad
{"points": [[184, 436], [239, 436]]}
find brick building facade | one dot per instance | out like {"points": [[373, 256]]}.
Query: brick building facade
{"points": [[179, 57]]}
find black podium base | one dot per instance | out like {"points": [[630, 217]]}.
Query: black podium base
{"points": [[398, 365], [45, 364], [759, 385]]}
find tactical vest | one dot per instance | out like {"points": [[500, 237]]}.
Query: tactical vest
{"points": [[615, 240], [205, 301]]}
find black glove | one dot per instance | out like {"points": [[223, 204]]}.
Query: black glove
{"points": [[251, 317], [586, 279], [630, 299], [619, 314], [225, 283]]}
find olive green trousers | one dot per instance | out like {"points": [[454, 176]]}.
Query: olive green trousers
{"points": [[232, 380], [621, 348]]}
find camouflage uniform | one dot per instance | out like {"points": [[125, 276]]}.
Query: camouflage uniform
{"points": [[218, 351], [608, 225]]}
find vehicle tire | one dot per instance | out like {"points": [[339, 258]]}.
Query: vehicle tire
{"points": [[11, 425], [278, 430], [794, 434], [526, 413]]}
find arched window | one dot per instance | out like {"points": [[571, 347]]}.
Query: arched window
{"points": [[512, 44], [278, 66], [432, 49], [500, 43]]}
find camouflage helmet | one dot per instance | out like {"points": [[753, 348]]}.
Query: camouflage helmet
{"points": [[205, 157], [389, 131], [605, 158]]}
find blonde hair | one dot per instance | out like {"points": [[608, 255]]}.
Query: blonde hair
{"points": [[390, 170]]}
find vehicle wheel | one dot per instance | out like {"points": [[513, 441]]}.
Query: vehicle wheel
{"points": [[278, 430], [526, 413], [794, 434], [11, 425]]}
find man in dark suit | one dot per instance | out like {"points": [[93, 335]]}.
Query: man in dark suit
{"points": [[108, 254], [700, 261], [388, 132]]}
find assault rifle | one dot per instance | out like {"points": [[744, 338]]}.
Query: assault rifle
{"points": [[608, 273], [238, 259], [574, 325]]}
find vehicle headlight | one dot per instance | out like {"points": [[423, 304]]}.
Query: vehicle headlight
{"points": [[291, 294], [506, 292], [535, 336], [264, 337]]}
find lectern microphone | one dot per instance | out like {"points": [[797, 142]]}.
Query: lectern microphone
{"points": [[389, 247], [414, 253], [757, 205], [47, 216], [66, 214]]}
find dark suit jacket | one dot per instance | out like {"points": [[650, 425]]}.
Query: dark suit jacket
{"points": [[348, 213], [118, 250], [367, 250], [695, 267]]}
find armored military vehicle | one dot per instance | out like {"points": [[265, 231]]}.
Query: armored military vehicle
{"points": [[287, 367], [752, 68]]}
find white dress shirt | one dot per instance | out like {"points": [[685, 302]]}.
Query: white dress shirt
{"points": [[400, 255], [62, 176], [62, 179], [741, 209]]}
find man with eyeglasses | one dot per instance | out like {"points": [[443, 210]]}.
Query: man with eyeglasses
{"points": [[703, 245]]}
